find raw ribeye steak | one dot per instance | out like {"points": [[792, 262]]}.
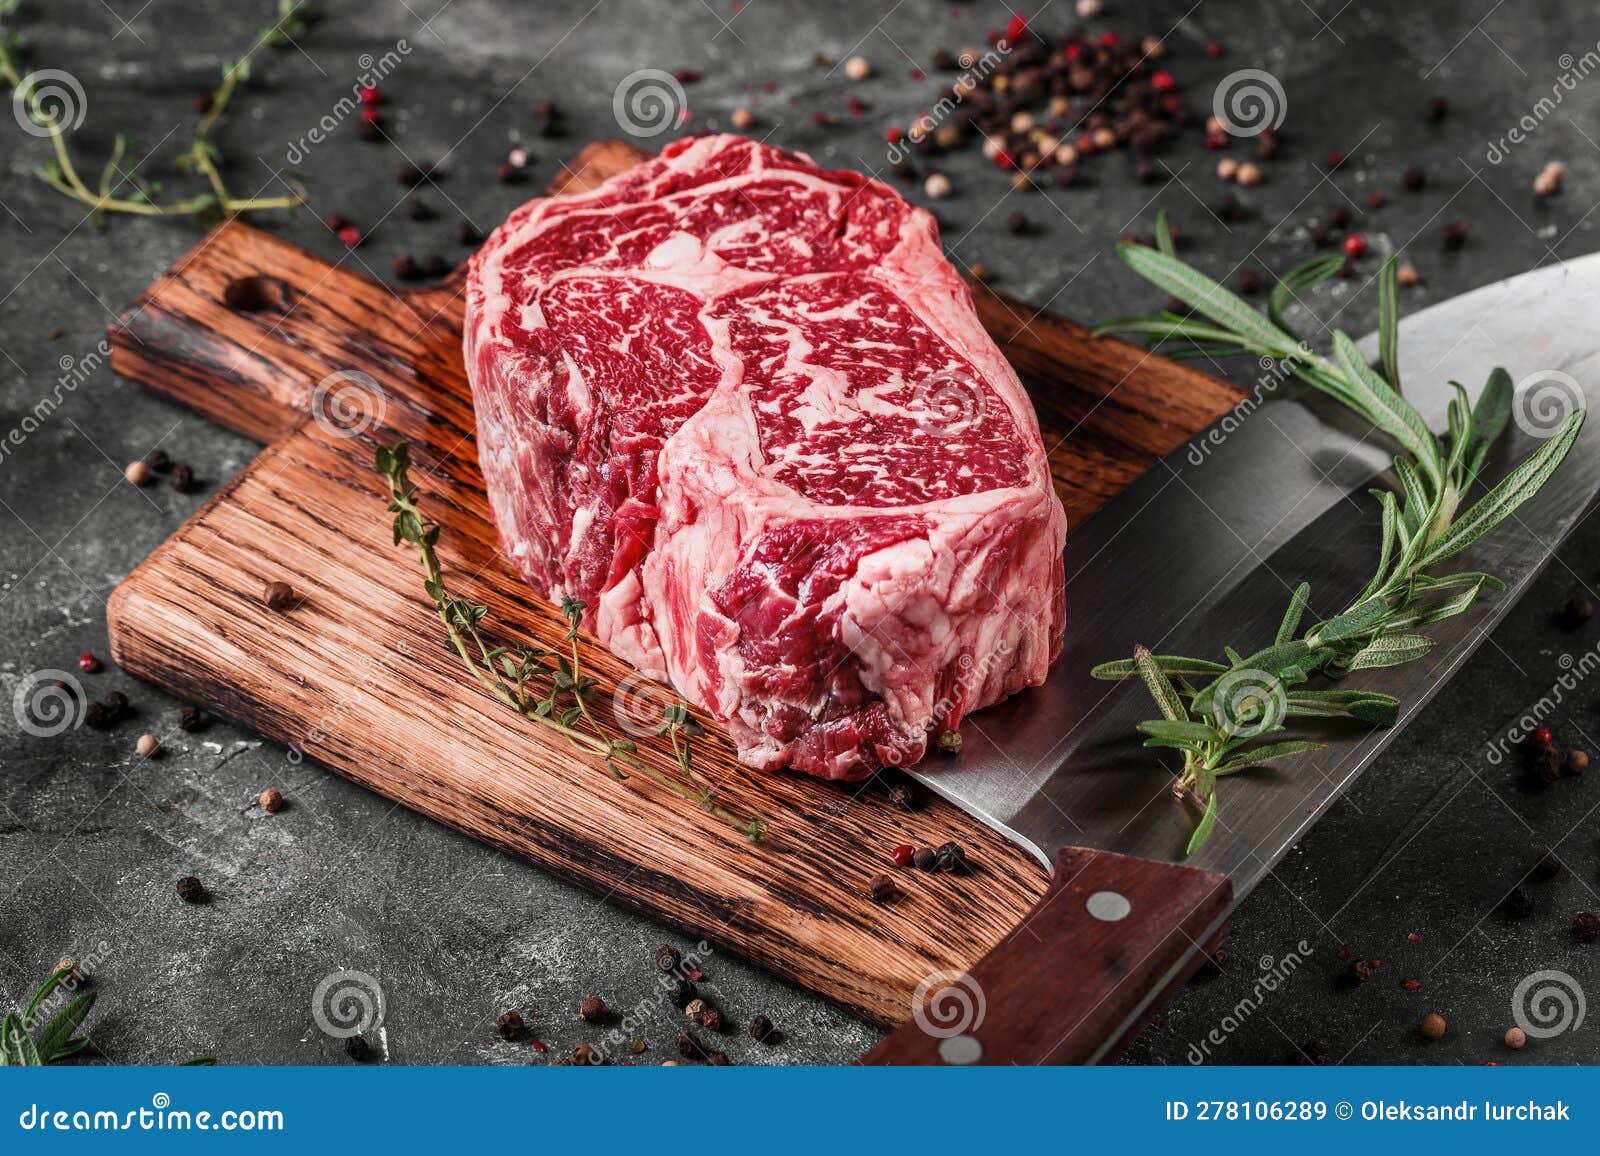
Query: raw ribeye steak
{"points": [[743, 409]]}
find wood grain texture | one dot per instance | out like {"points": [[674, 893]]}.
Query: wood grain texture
{"points": [[1112, 934], [324, 365]]}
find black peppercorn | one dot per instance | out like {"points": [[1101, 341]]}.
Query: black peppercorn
{"points": [[1339, 218], [406, 267], [683, 993], [436, 266], [356, 1048], [1249, 282], [1414, 179], [592, 1009], [1520, 903], [1547, 766], [278, 596], [1579, 611], [1586, 926], [1455, 235], [881, 887], [1438, 109], [191, 890], [409, 175], [191, 718], [902, 796], [949, 857], [924, 859], [183, 478], [420, 211], [667, 958], [510, 1025], [368, 130], [718, 1059], [158, 461], [760, 1029], [690, 1047], [468, 233], [1019, 225]]}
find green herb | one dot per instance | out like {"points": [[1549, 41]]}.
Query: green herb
{"points": [[1214, 713], [201, 157], [546, 687], [58, 1040]]}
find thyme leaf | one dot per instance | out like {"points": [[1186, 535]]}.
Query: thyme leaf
{"points": [[547, 688]]}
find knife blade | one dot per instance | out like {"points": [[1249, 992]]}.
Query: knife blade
{"points": [[1204, 550]]}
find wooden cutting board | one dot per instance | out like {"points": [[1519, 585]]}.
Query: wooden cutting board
{"points": [[249, 331]]}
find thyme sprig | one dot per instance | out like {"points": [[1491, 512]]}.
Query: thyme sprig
{"points": [[550, 688], [201, 157], [1214, 712]]}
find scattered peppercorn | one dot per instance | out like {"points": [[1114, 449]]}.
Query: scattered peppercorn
{"points": [[718, 1059], [1408, 275], [436, 266], [950, 742], [761, 1029], [937, 186], [278, 596], [1410, 984], [1548, 765], [712, 1019], [138, 473], [409, 175], [1455, 235], [690, 1047], [350, 236], [74, 977], [1355, 245], [1586, 926], [902, 796], [147, 746], [191, 718], [742, 119], [924, 859], [510, 1025], [1577, 762], [1520, 903], [88, 663], [157, 460], [368, 130], [592, 1009], [1339, 217], [509, 174], [420, 210], [107, 712], [1249, 282], [695, 1010], [903, 855], [1515, 1038], [468, 233], [1414, 179], [272, 800], [183, 478], [1362, 970], [406, 268], [682, 992], [1438, 109], [667, 958], [587, 1056], [1541, 737], [1548, 182], [1579, 611], [356, 1048], [191, 890], [1432, 1026], [881, 888], [1249, 174], [1376, 199], [950, 857]]}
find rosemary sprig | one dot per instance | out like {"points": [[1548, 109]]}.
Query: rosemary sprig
{"points": [[202, 155], [1213, 712], [546, 687], [58, 1040]]}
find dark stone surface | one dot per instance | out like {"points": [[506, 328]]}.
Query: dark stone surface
{"points": [[93, 838]]}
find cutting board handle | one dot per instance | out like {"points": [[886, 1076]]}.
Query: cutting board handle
{"points": [[1108, 940]]}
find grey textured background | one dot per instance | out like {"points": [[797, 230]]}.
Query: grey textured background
{"points": [[92, 837]]}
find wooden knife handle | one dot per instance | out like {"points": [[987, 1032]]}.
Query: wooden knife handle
{"points": [[1111, 937]]}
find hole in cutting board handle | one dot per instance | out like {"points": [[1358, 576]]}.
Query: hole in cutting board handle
{"points": [[255, 294]]}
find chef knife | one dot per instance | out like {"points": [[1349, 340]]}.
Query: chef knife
{"points": [[1204, 550]]}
